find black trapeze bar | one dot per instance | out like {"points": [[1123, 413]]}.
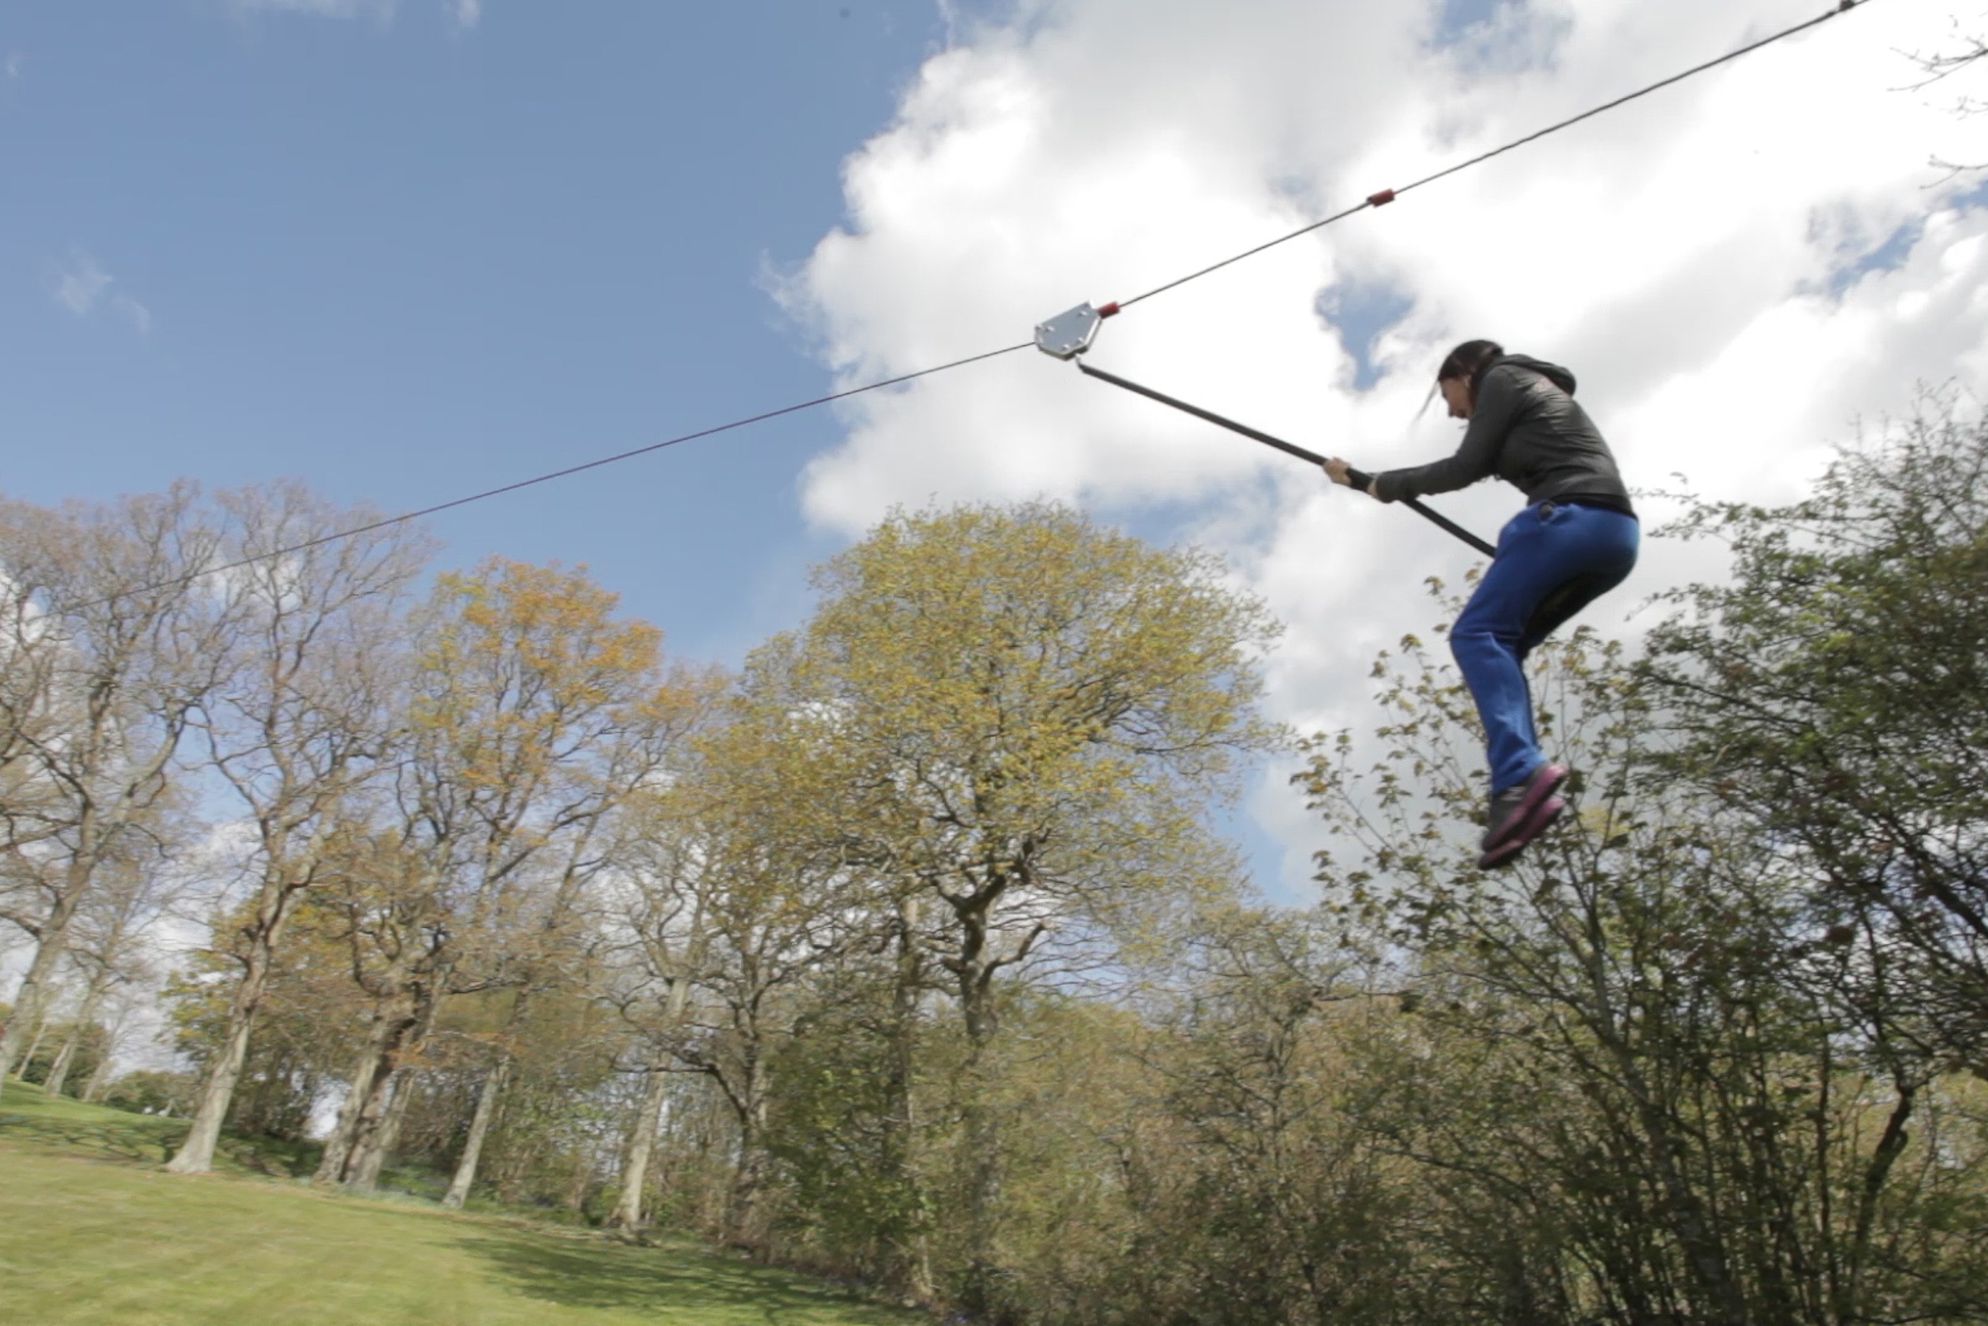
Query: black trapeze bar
{"points": [[1359, 477]]}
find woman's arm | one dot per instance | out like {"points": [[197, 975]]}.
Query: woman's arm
{"points": [[1491, 417]]}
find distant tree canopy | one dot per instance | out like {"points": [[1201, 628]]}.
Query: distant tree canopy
{"points": [[153, 1091]]}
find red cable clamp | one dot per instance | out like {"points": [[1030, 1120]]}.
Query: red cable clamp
{"points": [[1381, 199], [1109, 310]]}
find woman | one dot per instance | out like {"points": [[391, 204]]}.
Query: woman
{"points": [[1575, 540]]}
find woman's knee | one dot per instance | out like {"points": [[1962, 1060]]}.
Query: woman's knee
{"points": [[1472, 639], [1477, 629]]}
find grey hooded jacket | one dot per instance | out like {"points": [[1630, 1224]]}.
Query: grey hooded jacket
{"points": [[1526, 429]]}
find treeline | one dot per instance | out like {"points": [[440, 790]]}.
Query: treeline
{"points": [[911, 954]]}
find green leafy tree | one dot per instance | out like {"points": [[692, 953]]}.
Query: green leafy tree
{"points": [[536, 714], [849, 1129], [1831, 692], [1647, 1092], [153, 1091], [1262, 1193], [1025, 719], [308, 1018]]}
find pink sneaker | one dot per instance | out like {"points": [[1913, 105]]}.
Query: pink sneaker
{"points": [[1511, 808], [1517, 836]]}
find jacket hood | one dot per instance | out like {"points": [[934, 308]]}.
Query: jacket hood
{"points": [[1562, 378]]}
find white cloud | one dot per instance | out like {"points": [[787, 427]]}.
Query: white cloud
{"points": [[468, 13], [1679, 253], [82, 284], [133, 312], [15, 63]]}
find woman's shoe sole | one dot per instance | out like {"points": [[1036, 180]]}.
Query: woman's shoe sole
{"points": [[1532, 826], [1544, 784]]}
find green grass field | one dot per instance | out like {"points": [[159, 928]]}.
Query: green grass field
{"points": [[92, 1229]]}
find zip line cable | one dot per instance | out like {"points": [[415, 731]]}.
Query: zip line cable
{"points": [[1380, 199], [405, 517], [1386, 196]]}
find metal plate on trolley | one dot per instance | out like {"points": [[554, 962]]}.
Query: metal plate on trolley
{"points": [[1068, 335]]}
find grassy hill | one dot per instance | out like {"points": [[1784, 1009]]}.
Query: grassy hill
{"points": [[93, 1230]]}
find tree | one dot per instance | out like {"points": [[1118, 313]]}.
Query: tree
{"points": [[661, 925], [762, 805], [128, 897], [1263, 1193], [535, 715], [397, 931], [856, 1122], [153, 1091], [66, 1041], [1641, 1099], [300, 727], [303, 1020], [1830, 692], [757, 905], [1023, 717], [125, 1001], [111, 644]]}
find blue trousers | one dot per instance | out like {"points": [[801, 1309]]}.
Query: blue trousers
{"points": [[1553, 559]]}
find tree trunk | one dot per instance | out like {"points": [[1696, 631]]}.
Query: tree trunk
{"points": [[580, 1185], [398, 1019], [34, 1045], [377, 1124], [479, 1129], [983, 1139], [58, 1072], [1890, 1146], [376, 1141], [909, 1260], [217, 1092], [635, 1172], [93, 1090], [365, 1142], [982, 1129], [628, 1210], [368, 1078], [30, 1001], [486, 1104], [742, 1203]]}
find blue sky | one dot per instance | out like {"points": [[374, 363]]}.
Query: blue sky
{"points": [[406, 259]]}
